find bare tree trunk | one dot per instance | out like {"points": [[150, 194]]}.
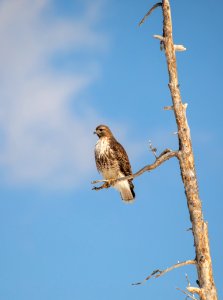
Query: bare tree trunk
{"points": [[207, 289]]}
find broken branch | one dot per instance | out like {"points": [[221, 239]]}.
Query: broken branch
{"points": [[149, 12], [168, 107], [165, 155], [158, 273], [196, 290], [188, 295], [158, 37], [179, 48], [152, 149]]}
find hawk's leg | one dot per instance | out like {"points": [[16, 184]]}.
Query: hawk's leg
{"points": [[105, 185]]}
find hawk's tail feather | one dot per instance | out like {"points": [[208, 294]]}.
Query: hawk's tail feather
{"points": [[132, 188], [126, 189]]}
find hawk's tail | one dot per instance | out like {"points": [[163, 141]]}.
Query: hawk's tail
{"points": [[126, 189]]}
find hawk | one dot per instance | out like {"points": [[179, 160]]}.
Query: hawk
{"points": [[112, 162]]}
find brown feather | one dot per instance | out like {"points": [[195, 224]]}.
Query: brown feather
{"points": [[113, 162]]}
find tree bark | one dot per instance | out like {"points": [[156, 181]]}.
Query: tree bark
{"points": [[207, 289]]}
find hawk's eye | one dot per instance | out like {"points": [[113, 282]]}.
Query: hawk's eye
{"points": [[100, 129]]}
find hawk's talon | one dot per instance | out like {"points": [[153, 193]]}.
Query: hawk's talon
{"points": [[112, 181], [95, 188], [105, 185]]}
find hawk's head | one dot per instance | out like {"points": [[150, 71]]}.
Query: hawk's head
{"points": [[103, 130]]}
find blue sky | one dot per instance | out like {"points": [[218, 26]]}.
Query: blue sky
{"points": [[67, 66]]}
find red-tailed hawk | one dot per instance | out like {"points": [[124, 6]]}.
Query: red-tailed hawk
{"points": [[112, 162]]}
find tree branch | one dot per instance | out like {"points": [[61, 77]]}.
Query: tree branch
{"points": [[158, 273], [164, 156], [168, 107], [196, 290], [149, 12], [187, 294], [152, 149], [159, 37], [179, 48]]}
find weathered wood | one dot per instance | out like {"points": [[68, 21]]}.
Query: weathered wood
{"points": [[157, 273], [207, 289], [164, 156]]}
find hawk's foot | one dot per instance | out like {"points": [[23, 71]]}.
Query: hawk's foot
{"points": [[105, 185], [112, 181]]}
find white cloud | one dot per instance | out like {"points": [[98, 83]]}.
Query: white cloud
{"points": [[43, 140]]}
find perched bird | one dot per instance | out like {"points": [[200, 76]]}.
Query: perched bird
{"points": [[112, 162]]}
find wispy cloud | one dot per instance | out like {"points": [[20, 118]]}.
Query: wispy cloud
{"points": [[43, 139]]}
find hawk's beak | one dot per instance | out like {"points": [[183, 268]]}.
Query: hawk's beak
{"points": [[95, 132]]}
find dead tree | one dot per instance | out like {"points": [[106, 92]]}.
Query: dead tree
{"points": [[206, 289]]}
